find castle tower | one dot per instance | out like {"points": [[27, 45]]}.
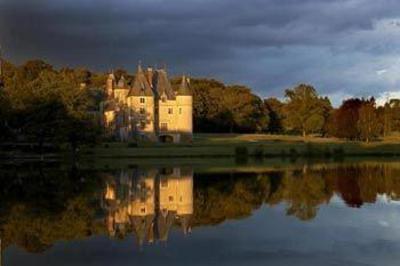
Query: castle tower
{"points": [[184, 101], [185, 192], [121, 90], [143, 205], [141, 105]]}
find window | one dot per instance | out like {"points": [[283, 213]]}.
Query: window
{"points": [[142, 111], [142, 100], [143, 210], [142, 125], [170, 111], [180, 111], [164, 126], [164, 182], [171, 199]]}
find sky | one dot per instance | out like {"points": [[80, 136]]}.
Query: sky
{"points": [[344, 48]]}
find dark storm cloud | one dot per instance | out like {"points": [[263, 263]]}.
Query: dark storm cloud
{"points": [[265, 44]]}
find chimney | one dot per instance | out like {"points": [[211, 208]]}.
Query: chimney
{"points": [[150, 75]]}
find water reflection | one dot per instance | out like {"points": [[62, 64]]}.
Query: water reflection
{"points": [[149, 201], [41, 206]]}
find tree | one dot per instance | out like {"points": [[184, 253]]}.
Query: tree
{"points": [[5, 111], [305, 110], [49, 106], [345, 119], [220, 108], [275, 110], [247, 110], [394, 105], [368, 123]]}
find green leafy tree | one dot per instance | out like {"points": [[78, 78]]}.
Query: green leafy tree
{"points": [[276, 115], [368, 123], [305, 110]]}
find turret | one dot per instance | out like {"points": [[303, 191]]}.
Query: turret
{"points": [[121, 82], [140, 101], [184, 101], [185, 192], [121, 91]]}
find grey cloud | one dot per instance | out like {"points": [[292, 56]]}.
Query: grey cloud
{"points": [[251, 42]]}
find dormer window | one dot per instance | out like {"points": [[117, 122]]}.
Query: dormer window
{"points": [[163, 97]]}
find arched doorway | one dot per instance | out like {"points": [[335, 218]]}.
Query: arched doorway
{"points": [[166, 139]]}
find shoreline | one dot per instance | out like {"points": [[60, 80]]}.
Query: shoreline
{"points": [[211, 146]]}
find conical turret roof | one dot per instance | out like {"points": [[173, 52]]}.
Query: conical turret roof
{"points": [[164, 223], [184, 89], [142, 226], [122, 83], [185, 223]]}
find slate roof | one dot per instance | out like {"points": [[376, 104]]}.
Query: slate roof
{"points": [[122, 83], [164, 223], [141, 86], [143, 227], [184, 89], [162, 85]]}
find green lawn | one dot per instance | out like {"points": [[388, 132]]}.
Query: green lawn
{"points": [[224, 145]]}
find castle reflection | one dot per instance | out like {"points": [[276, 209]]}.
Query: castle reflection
{"points": [[148, 202]]}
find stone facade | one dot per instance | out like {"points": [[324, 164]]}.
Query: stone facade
{"points": [[149, 108]]}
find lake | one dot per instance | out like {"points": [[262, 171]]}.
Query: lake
{"points": [[244, 213]]}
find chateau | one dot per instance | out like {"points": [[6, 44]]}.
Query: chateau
{"points": [[148, 109]]}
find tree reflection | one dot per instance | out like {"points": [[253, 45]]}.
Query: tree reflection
{"points": [[40, 205]]}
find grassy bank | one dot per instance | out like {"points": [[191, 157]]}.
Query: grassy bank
{"points": [[211, 146], [231, 145]]}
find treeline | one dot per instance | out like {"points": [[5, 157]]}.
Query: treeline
{"points": [[46, 105], [235, 109], [42, 105]]}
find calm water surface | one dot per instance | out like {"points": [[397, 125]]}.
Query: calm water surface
{"points": [[303, 214]]}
